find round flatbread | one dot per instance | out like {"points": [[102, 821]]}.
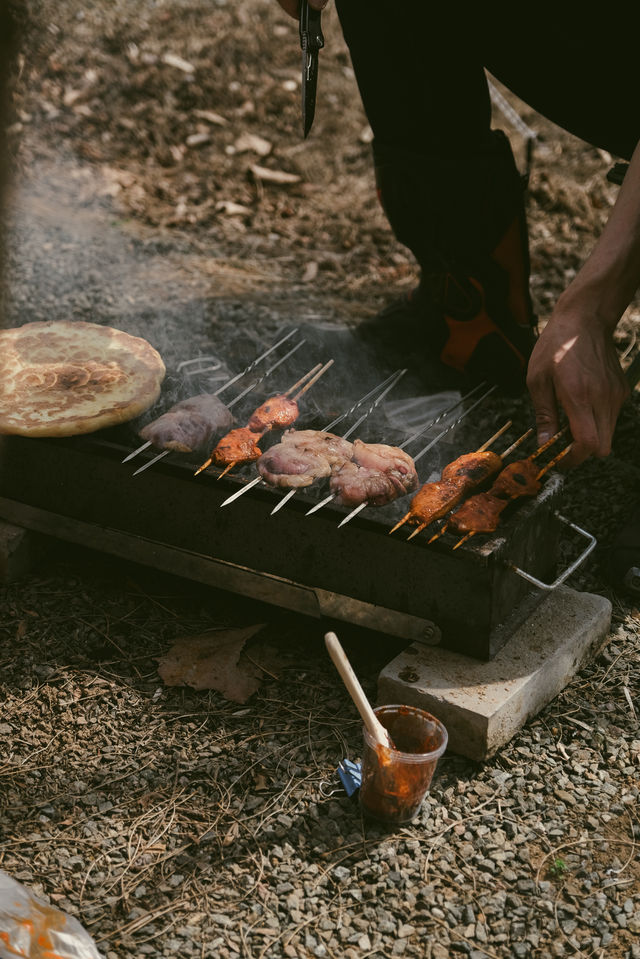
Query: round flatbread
{"points": [[65, 378]]}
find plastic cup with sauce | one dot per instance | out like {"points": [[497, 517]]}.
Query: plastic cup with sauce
{"points": [[395, 781]]}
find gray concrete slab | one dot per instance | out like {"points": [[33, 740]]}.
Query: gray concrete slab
{"points": [[483, 704]]}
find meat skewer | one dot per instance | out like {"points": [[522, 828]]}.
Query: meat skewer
{"points": [[335, 463], [303, 456], [180, 414], [357, 509], [377, 474], [226, 385], [433, 500], [388, 384], [481, 512], [467, 473], [241, 445], [189, 424], [499, 503]]}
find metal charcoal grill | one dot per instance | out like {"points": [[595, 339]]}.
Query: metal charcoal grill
{"points": [[470, 600]]}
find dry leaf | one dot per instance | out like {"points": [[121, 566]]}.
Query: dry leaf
{"points": [[232, 834], [229, 208], [174, 61], [197, 139], [249, 142], [213, 660], [310, 271], [210, 116], [273, 176]]}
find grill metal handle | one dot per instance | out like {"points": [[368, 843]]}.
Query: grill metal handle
{"points": [[570, 569]]}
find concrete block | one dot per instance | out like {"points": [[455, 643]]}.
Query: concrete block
{"points": [[18, 549], [483, 704]]}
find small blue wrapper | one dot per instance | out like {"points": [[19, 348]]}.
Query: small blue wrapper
{"points": [[350, 774]]}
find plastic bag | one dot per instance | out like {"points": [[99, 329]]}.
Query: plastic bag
{"points": [[31, 928], [418, 412]]}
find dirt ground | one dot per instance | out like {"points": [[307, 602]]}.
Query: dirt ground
{"points": [[172, 129]]}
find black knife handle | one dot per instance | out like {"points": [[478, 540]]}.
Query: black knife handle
{"points": [[310, 28]]}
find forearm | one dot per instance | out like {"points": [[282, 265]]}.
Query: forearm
{"points": [[609, 278]]}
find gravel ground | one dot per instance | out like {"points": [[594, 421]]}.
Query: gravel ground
{"points": [[177, 823], [172, 822]]}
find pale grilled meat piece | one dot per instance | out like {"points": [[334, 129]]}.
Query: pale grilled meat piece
{"points": [[377, 474], [189, 425], [336, 449], [302, 457]]}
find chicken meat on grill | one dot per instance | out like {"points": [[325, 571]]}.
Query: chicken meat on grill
{"points": [[238, 446], [189, 425], [302, 457], [377, 474], [481, 513], [277, 412], [467, 472]]}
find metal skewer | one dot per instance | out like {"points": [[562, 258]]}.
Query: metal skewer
{"points": [[135, 452], [268, 372], [358, 509], [254, 363], [389, 382], [235, 399], [314, 378], [221, 389]]}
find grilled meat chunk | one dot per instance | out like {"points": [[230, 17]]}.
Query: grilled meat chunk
{"points": [[434, 500], [481, 513], [238, 446], [278, 412], [290, 468], [302, 457], [517, 479], [336, 449], [189, 425], [379, 456], [378, 474], [353, 485]]}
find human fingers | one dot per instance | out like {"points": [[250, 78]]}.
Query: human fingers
{"points": [[545, 406], [592, 407], [590, 423]]}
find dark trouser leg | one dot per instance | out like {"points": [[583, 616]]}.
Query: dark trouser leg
{"points": [[448, 184]]}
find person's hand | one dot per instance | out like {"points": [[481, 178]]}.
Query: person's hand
{"points": [[574, 367], [292, 7]]}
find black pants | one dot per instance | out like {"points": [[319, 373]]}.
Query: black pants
{"points": [[423, 86], [448, 183]]}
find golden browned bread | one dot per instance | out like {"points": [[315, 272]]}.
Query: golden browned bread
{"points": [[64, 378]]}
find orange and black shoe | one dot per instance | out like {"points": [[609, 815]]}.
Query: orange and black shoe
{"points": [[471, 327], [450, 320]]}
